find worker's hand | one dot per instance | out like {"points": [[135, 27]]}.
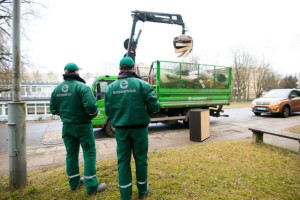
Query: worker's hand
{"points": [[94, 114], [153, 115]]}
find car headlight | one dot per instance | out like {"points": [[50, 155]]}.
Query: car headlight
{"points": [[275, 102], [253, 102]]}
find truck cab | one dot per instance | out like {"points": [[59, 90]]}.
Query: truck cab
{"points": [[98, 86]]}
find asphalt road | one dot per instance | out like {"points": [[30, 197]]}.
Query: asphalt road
{"points": [[35, 131]]}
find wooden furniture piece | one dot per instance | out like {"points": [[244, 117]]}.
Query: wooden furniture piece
{"points": [[199, 123]]}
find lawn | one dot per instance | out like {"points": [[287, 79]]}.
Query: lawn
{"points": [[213, 170], [238, 105]]}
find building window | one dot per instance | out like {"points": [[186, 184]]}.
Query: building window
{"points": [[5, 109], [1, 109], [28, 89], [48, 108], [33, 88], [31, 109], [40, 108]]}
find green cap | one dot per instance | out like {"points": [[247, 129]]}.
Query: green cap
{"points": [[71, 67], [126, 62]]}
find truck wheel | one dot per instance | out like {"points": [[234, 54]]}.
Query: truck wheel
{"points": [[186, 124], [257, 114], [285, 112], [110, 130]]}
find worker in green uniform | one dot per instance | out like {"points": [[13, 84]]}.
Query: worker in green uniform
{"points": [[128, 103], [74, 102]]}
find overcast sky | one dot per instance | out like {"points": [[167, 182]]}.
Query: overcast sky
{"points": [[91, 33]]}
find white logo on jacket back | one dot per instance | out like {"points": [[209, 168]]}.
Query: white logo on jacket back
{"points": [[123, 84], [65, 88]]}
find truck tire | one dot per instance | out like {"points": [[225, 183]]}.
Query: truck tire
{"points": [[109, 130], [186, 124], [257, 113], [285, 112]]}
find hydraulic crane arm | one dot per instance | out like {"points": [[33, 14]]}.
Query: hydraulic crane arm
{"points": [[158, 17], [145, 16]]}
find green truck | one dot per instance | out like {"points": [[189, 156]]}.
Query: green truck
{"points": [[180, 88]]}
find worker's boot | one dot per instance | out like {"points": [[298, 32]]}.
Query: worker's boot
{"points": [[80, 184], [142, 196], [101, 187]]}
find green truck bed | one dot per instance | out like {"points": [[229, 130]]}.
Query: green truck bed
{"points": [[179, 84], [180, 88]]}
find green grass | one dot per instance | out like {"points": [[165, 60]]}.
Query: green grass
{"points": [[238, 105], [215, 170]]}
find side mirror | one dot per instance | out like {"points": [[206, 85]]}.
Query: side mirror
{"points": [[98, 91]]}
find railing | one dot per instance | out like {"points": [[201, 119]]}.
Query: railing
{"points": [[26, 95]]}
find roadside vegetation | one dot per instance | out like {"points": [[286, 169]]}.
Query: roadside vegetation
{"points": [[238, 105], [214, 170]]}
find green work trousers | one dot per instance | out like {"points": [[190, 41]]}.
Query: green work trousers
{"points": [[135, 141], [75, 135]]}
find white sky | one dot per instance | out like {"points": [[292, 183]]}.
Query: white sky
{"points": [[91, 33]]}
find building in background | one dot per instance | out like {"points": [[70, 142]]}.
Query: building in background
{"points": [[37, 101], [36, 89]]}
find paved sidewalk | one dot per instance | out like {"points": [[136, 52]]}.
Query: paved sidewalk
{"points": [[51, 156]]}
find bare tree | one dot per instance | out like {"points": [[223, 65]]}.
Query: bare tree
{"points": [[193, 58], [52, 77], [243, 64], [272, 81], [5, 55], [261, 75], [37, 77], [5, 80], [29, 9]]}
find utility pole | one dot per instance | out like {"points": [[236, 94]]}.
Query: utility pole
{"points": [[16, 111]]}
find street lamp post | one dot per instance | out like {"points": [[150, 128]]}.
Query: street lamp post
{"points": [[16, 112]]}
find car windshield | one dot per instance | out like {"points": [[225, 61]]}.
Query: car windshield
{"points": [[277, 94]]}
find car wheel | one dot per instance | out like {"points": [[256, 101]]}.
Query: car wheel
{"points": [[257, 114], [110, 130], [285, 112]]}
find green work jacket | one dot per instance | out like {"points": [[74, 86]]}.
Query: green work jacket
{"points": [[74, 102], [129, 101]]}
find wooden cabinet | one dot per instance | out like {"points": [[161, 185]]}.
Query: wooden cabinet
{"points": [[199, 123]]}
